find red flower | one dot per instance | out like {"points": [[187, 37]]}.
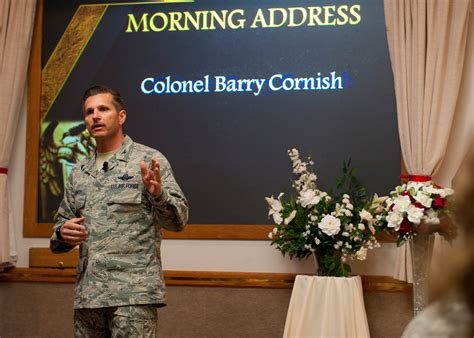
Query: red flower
{"points": [[418, 205], [406, 227], [439, 202]]}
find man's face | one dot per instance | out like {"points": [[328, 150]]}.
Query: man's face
{"points": [[102, 118]]}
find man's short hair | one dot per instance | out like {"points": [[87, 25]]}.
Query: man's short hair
{"points": [[101, 89]]}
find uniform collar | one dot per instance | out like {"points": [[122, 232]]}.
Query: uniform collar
{"points": [[122, 155]]}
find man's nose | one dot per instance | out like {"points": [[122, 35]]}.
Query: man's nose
{"points": [[96, 114]]}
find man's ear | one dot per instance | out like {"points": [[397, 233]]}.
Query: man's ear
{"points": [[122, 116]]}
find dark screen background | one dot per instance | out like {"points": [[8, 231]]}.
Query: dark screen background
{"points": [[229, 151]]}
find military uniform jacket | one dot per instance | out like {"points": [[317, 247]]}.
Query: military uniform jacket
{"points": [[120, 261]]}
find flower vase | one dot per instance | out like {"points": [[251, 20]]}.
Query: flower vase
{"points": [[330, 265], [421, 246]]}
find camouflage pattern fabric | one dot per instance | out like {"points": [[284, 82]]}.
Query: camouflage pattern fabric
{"points": [[120, 263], [122, 321]]}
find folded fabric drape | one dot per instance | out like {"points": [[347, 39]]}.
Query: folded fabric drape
{"points": [[427, 42], [326, 307], [16, 27]]}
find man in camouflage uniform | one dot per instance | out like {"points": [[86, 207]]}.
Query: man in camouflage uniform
{"points": [[114, 207]]}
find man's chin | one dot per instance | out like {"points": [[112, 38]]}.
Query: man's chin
{"points": [[98, 135]]}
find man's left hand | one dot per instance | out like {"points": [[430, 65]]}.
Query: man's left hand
{"points": [[151, 177]]}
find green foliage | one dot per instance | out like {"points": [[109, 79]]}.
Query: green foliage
{"points": [[330, 264], [301, 222], [349, 184]]}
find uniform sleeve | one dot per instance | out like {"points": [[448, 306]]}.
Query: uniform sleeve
{"points": [[170, 209], [65, 213]]}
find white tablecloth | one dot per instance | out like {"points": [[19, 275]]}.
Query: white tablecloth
{"points": [[326, 307]]}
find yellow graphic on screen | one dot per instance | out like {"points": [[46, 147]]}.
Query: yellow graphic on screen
{"points": [[71, 45], [62, 145]]}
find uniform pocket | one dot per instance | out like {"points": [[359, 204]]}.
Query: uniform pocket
{"points": [[124, 204]]}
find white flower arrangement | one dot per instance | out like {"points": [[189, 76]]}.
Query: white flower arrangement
{"points": [[417, 202], [334, 228]]}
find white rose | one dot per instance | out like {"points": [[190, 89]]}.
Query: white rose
{"points": [[330, 225], [361, 254], [349, 206], [431, 190], [414, 214], [317, 241], [361, 226], [270, 235], [348, 213], [424, 199], [308, 198], [290, 217], [394, 220], [401, 203]]}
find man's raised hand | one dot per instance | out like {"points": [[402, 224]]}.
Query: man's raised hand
{"points": [[151, 177]]}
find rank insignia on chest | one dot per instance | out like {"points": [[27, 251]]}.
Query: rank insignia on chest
{"points": [[125, 177]]}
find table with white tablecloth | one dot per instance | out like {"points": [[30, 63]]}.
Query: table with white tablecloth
{"points": [[326, 307]]}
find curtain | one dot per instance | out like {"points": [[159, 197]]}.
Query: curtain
{"points": [[16, 27], [427, 41]]}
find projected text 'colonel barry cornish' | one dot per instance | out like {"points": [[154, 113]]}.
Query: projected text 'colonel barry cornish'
{"points": [[231, 84]]}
